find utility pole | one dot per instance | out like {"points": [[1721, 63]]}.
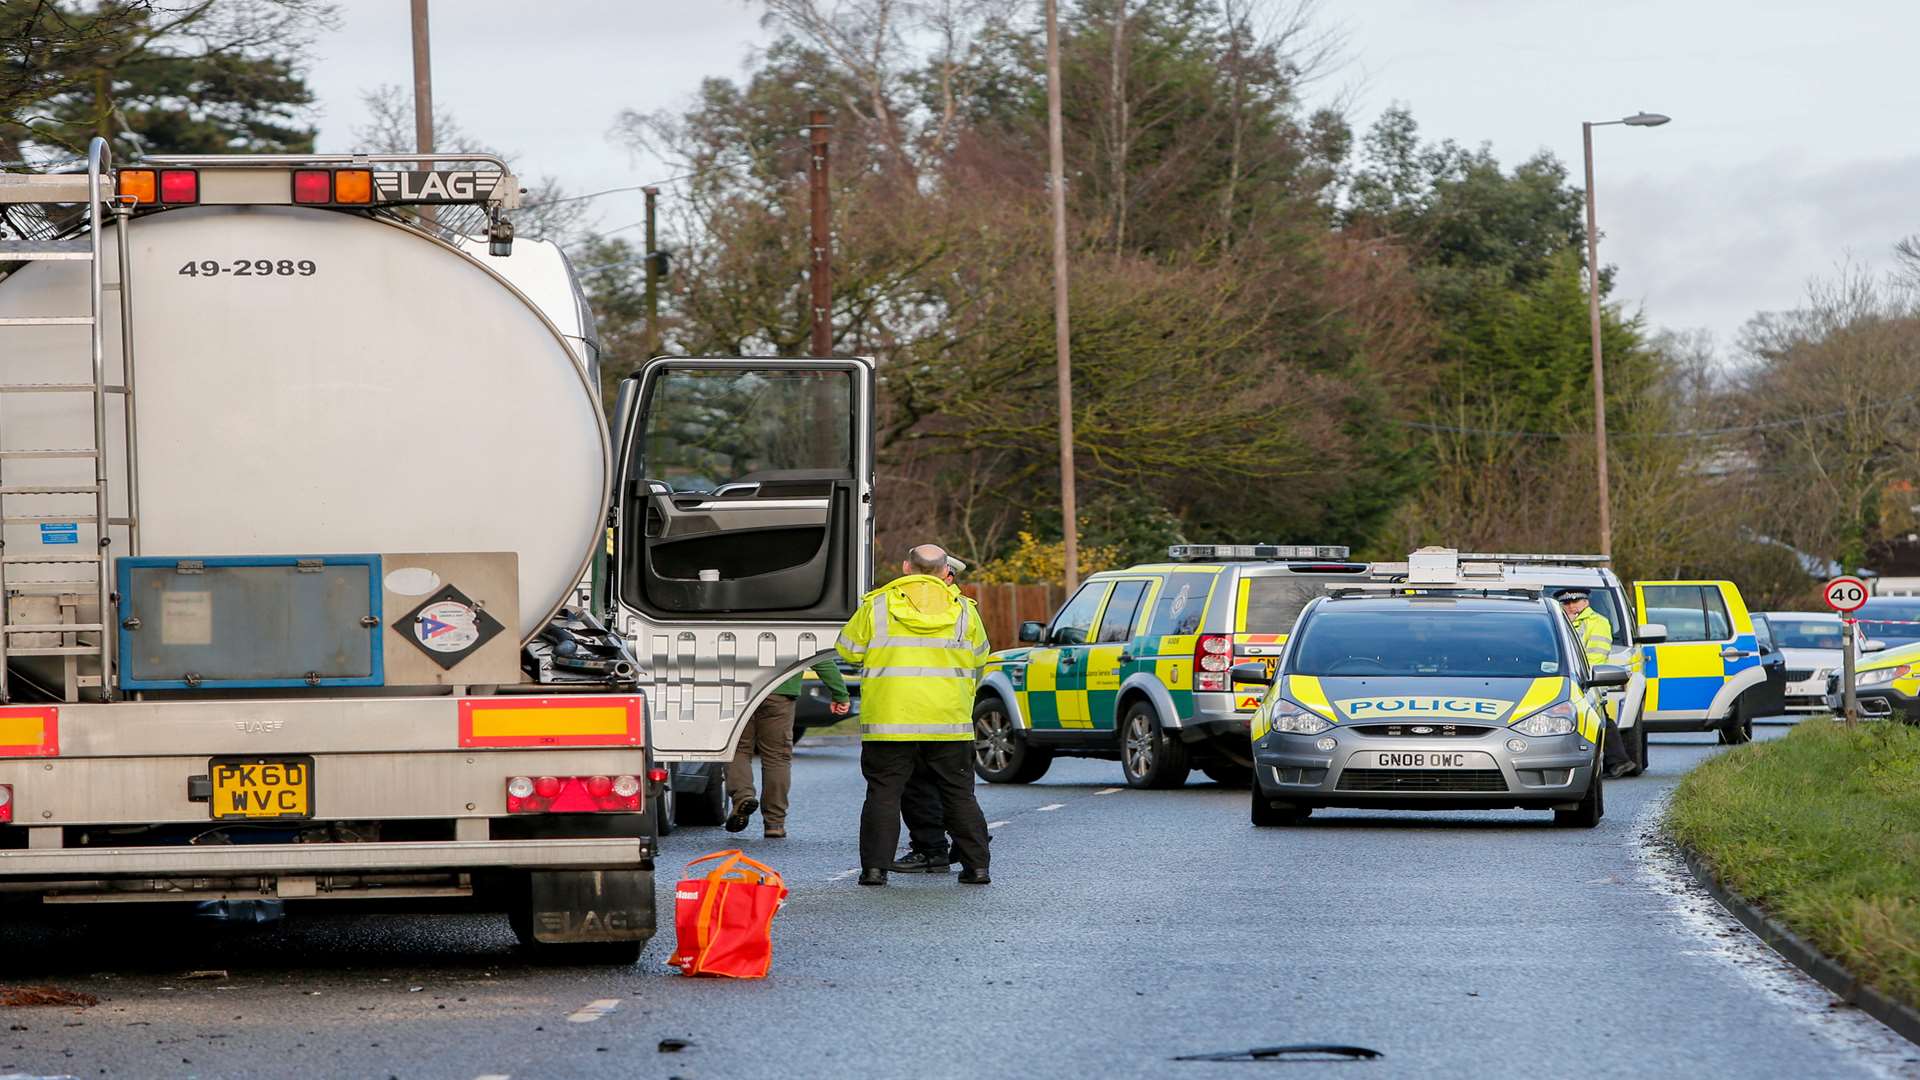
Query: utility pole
{"points": [[422, 94], [821, 274], [1062, 350], [653, 277]]}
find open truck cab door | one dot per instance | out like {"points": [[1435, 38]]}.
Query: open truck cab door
{"points": [[743, 532]]}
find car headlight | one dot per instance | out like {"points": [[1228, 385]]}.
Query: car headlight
{"points": [[1882, 676], [1552, 720], [1294, 720]]}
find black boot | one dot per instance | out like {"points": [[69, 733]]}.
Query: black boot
{"points": [[742, 813], [873, 875], [923, 862], [974, 875]]}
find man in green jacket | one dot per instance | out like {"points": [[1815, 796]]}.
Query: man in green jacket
{"points": [[769, 732]]}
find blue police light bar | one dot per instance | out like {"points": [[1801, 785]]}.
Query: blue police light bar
{"points": [[1192, 552]]}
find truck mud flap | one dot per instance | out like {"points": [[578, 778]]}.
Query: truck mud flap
{"points": [[580, 906]]}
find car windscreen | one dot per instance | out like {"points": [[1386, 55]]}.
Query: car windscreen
{"points": [[1891, 620], [1422, 641], [1805, 633]]}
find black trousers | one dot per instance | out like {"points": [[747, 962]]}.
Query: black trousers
{"points": [[926, 815], [888, 766]]}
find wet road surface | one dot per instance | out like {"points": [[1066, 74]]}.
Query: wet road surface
{"points": [[1123, 929]]}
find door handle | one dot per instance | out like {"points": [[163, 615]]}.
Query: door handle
{"points": [[1125, 658], [1733, 654]]}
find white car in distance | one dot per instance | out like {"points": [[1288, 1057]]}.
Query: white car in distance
{"points": [[1811, 642]]}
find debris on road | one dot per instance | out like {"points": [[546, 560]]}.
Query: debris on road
{"points": [[30, 996], [674, 1046], [211, 973], [1308, 1051]]}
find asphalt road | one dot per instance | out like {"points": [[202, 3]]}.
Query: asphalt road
{"points": [[1123, 929]]}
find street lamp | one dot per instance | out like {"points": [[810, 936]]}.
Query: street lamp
{"points": [[1639, 119]]}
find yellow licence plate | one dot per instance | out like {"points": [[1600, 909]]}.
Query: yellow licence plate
{"points": [[262, 787]]}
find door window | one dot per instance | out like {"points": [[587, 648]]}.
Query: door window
{"points": [[1274, 602], [1074, 623], [1117, 624], [1689, 612], [706, 429], [1182, 601], [1763, 634]]}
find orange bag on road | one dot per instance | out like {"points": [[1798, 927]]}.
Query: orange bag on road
{"points": [[724, 920]]}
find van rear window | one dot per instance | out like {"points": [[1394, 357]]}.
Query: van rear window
{"points": [[1272, 603]]}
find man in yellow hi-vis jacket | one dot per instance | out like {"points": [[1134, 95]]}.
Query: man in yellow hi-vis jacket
{"points": [[920, 646]]}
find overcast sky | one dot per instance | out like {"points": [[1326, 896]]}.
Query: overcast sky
{"points": [[1792, 147]]}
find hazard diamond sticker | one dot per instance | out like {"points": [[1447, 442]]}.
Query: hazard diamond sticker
{"points": [[447, 626]]}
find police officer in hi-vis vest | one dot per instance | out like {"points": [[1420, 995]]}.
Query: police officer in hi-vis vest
{"points": [[921, 647]]}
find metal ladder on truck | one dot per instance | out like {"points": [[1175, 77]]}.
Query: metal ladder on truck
{"points": [[29, 201]]}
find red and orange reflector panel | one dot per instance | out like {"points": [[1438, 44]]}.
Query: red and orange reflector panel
{"points": [[572, 794], [611, 720], [349, 187], [30, 731], [146, 187]]}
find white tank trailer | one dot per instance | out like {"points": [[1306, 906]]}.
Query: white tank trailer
{"points": [[349, 472]]}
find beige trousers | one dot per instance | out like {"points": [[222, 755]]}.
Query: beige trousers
{"points": [[769, 733]]}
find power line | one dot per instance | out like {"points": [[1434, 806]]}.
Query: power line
{"points": [[1696, 433], [722, 167]]}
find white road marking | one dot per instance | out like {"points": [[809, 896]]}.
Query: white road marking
{"points": [[1107, 790], [594, 1010], [995, 824], [1724, 938], [1052, 806], [494, 1076], [844, 874]]}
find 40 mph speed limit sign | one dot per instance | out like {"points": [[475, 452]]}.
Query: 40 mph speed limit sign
{"points": [[1845, 594]]}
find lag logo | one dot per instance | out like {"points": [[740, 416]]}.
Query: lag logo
{"points": [[430, 187]]}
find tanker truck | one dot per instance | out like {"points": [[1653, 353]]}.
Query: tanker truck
{"points": [[297, 488]]}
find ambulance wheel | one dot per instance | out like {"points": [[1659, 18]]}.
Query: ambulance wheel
{"points": [[1737, 730], [1591, 808], [1148, 757], [1001, 755], [1266, 815], [1228, 774]]}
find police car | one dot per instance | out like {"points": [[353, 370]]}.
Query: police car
{"points": [[1454, 688], [1134, 667], [1886, 685]]}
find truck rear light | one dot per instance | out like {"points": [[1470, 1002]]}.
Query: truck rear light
{"points": [[657, 774], [1212, 656], [573, 794], [353, 186], [178, 186], [312, 185], [138, 185], [6, 803]]}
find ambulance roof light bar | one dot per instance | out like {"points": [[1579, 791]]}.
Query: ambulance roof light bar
{"points": [[1203, 552]]}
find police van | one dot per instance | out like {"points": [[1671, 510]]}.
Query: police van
{"points": [[1556, 574], [1134, 666]]}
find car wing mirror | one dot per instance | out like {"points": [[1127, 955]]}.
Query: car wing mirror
{"points": [[1256, 674], [1873, 644], [1032, 633], [1609, 675], [1652, 633]]}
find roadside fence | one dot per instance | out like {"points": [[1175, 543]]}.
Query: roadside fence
{"points": [[1004, 607]]}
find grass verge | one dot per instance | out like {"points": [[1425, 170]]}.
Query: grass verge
{"points": [[1822, 829]]}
